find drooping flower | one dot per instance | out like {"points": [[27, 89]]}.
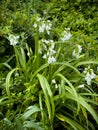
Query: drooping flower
{"points": [[29, 52], [13, 39], [46, 48], [44, 25], [76, 52], [65, 36], [38, 19], [89, 75], [35, 25], [55, 84], [48, 26], [81, 86], [51, 59]]}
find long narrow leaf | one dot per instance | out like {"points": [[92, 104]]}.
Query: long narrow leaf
{"points": [[38, 70], [22, 59], [68, 82], [71, 122], [8, 81], [48, 96], [19, 124], [41, 107], [88, 107], [86, 62], [63, 65]]}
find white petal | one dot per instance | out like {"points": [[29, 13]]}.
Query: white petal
{"points": [[51, 59]]}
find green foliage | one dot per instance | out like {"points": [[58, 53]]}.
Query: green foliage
{"points": [[49, 65]]}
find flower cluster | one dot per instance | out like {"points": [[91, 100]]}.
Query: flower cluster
{"points": [[77, 51], [43, 25], [13, 39], [46, 48], [65, 35], [89, 75]]}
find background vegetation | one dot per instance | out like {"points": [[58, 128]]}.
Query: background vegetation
{"points": [[48, 65]]}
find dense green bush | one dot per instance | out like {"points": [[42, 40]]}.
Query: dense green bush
{"points": [[49, 65]]}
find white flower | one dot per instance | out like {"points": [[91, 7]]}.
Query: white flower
{"points": [[48, 53], [89, 75], [52, 45], [46, 41], [76, 55], [77, 51], [40, 50], [56, 86], [16, 74], [52, 51], [46, 48], [35, 25], [38, 19], [48, 27], [65, 36], [54, 82], [42, 27], [44, 56], [51, 41], [51, 60], [45, 25], [88, 79], [81, 86], [28, 53], [13, 39]]}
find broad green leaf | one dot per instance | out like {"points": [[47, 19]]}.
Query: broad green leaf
{"points": [[48, 96], [80, 100], [74, 124], [19, 124], [2, 99], [31, 124], [31, 110], [88, 108], [8, 84], [7, 65]]}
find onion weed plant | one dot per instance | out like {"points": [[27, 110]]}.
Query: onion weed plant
{"points": [[52, 84]]}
